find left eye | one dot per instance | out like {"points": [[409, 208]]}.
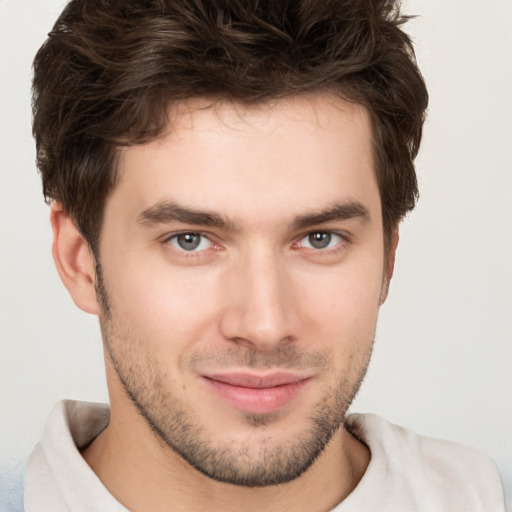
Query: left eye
{"points": [[190, 242], [320, 240]]}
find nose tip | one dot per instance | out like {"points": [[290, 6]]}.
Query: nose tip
{"points": [[261, 312]]}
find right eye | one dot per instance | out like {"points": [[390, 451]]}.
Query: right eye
{"points": [[189, 242]]}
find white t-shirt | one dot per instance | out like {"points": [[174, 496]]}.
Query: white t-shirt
{"points": [[407, 472]]}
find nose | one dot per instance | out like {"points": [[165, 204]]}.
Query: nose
{"points": [[261, 308]]}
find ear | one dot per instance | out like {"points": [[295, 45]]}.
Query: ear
{"points": [[389, 265], [74, 260]]}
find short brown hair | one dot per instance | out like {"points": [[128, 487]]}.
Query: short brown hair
{"points": [[109, 70]]}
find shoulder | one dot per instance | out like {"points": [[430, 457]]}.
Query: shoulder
{"points": [[57, 478], [430, 473]]}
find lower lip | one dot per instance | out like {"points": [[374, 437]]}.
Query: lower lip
{"points": [[257, 400]]}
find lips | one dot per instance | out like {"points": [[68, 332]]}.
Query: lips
{"points": [[257, 394]]}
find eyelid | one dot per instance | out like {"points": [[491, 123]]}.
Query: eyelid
{"points": [[167, 236]]}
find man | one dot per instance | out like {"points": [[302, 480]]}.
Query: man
{"points": [[226, 183]]}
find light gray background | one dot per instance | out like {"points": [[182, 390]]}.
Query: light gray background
{"points": [[443, 359]]}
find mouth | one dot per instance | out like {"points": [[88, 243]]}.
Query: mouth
{"points": [[257, 393]]}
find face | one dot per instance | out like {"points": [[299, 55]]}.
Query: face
{"points": [[242, 271]]}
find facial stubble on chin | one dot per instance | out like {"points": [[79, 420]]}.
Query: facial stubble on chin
{"points": [[241, 463]]}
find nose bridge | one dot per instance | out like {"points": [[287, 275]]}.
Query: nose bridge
{"points": [[261, 310]]}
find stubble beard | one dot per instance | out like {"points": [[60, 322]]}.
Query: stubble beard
{"points": [[239, 463]]}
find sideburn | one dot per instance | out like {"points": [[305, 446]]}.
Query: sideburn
{"points": [[101, 292]]}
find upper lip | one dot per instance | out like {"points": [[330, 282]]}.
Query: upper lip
{"points": [[257, 381]]}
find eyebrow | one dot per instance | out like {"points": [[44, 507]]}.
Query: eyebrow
{"points": [[341, 211], [169, 211]]}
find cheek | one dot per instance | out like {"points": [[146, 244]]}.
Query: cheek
{"points": [[345, 299], [167, 306], [348, 292]]}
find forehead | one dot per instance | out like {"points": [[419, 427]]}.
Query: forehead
{"points": [[278, 157]]}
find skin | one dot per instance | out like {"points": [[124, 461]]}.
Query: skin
{"points": [[255, 297]]}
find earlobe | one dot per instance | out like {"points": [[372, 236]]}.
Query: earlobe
{"points": [[74, 261], [389, 265]]}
